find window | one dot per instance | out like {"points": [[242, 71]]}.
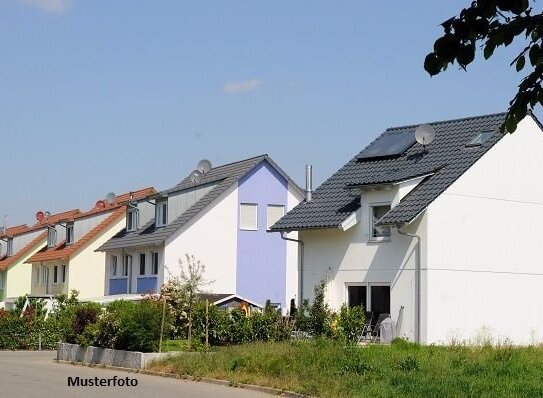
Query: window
{"points": [[142, 263], [357, 296], [42, 274], [113, 266], [374, 297], [132, 220], [126, 264], [51, 237], [480, 138], [248, 219], [154, 263], [59, 274], [161, 214], [69, 233], [379, 232], [275, 212], [9, 249], [2, 280]]}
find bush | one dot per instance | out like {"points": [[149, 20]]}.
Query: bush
{"points": [[350, 322], [85, 315], [138, 327]]}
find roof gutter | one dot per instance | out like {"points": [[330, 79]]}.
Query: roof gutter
{"points": [[417, 281]]}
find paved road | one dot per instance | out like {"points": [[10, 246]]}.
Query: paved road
{"points": [[25, 374]]}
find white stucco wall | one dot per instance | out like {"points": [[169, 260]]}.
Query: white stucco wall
{"points": [[212, 238], [87, 268], [485, 264], [345, 257]]}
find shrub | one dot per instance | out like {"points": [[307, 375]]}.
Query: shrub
{"points": [[320, 316], [350, 322], [85, 315], [138, 327]]}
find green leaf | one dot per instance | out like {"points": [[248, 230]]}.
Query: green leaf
{"points": [[432, 64], [520, 63], [534, 55], [489, 50]]}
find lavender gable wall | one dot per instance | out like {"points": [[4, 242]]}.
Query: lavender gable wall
{"points": [[261, 256]]}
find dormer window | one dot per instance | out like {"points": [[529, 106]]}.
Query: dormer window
{"points": [[9, 249], [132, 219], [51, 237], [161, 215], [70, 233]]}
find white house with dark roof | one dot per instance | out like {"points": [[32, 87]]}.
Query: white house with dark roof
{"points": [[220, 217], [445, 238]]}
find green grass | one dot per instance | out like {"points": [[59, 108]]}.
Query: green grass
{"points": [[328, 369]]}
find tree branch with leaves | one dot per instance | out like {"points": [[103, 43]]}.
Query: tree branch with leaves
{"points": [[490, 24]]}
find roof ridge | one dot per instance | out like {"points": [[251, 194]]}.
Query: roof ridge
{"points": [[447, 121], [263, 156]]}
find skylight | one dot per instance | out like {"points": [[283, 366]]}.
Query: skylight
{"points": [[480, 138]]}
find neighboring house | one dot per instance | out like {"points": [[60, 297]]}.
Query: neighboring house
{"points": [[17, 244], [69, 261], [220, 218], [446, 238]]}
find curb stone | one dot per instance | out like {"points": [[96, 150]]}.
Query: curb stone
{"points": [[226, 383]]}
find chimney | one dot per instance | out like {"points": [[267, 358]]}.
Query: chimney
{"points": [[308, 182]]}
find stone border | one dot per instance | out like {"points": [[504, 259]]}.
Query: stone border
{"points": [[226, 383], [109, 357]]}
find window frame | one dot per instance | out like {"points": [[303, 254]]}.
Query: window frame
{"points": [[161, 217], [135, 219], [154, 263], [272, 206], [59, 274], [113, 266], [51, 237], [252, 205], [70, 233], [378, 238], [144, 263], [9, 247], [368, 286]]}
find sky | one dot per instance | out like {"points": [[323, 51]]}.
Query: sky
{"points": [[99, 96]]}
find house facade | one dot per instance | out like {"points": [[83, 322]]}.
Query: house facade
{"points": [[68, 260], [443, 237], [16, 245], [221, 218]]}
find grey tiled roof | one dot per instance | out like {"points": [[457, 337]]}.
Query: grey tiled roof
{"points": [[224, 176], [444, 161]]}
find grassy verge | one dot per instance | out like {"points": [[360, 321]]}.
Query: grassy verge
{"points": [[328, 369]]}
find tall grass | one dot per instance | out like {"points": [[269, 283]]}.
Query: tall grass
{"points": [[328, 369]]}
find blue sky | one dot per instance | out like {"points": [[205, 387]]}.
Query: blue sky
{"points": [[99, 96]]}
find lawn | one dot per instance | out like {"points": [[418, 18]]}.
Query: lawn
{"points": [[328, 369]]}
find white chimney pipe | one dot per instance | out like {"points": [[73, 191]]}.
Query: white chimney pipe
{"points": [[308, 182]]}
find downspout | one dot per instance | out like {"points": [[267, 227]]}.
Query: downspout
{"points": [[417, 282], [301, 283]]}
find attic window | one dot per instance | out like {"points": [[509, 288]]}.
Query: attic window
{"points": [[480, 138], [9, 249]]}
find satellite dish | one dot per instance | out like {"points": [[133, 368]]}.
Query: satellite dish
{"points": [[196, 176], [425, 134], [203, 166], [110, 198], [100, 204], [47, 214], [40, 215]]}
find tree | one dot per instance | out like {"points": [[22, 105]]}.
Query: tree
{"points": [[182, 291], [491, 24]]}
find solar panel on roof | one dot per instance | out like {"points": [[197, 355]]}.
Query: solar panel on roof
{"points": [[388, 145]]}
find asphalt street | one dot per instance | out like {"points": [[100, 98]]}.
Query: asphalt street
{"points": [[25, 374]]}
